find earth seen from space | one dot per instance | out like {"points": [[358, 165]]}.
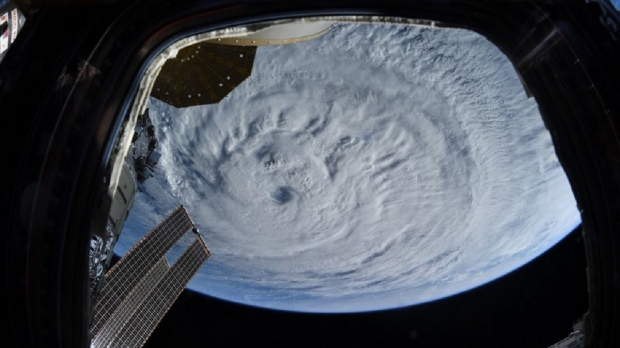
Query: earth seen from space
{"points": [[375, 167]]}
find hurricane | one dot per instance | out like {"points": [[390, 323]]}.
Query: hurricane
{"points": [[375, 167]]}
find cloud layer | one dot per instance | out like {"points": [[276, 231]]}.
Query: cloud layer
{"points": [[375, 167]]}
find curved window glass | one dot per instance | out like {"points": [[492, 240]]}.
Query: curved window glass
{"points": [[345, 165]]}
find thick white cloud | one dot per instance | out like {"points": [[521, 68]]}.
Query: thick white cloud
{"points": [[375, 167]]}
